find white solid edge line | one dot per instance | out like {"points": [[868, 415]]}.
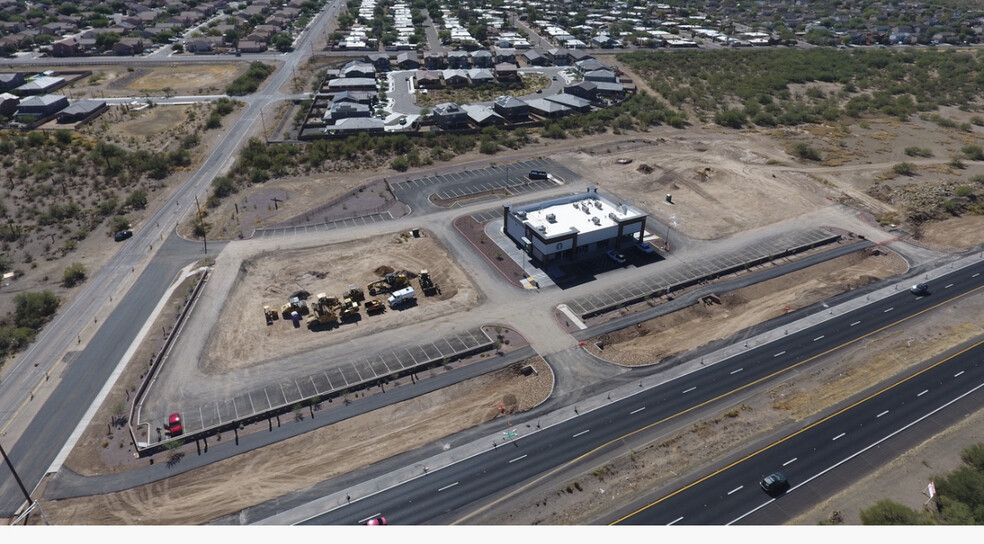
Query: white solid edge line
{"points": [[855, 454]]}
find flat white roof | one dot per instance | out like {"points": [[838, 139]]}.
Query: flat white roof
{"points": [[586, 214]]}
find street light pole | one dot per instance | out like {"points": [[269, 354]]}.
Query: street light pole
{"points": [[27, 496]]}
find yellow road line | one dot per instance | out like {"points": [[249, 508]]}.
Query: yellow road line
{"points": [[701, 405], [799, 432]]}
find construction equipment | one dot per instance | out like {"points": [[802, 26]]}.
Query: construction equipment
{"points": [[324, 309], [349, 309], [374, 305], [269, 314], [355, 294], [427, 283], [294, 304], [389, 283]]}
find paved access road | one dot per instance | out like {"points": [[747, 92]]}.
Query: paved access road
{"points": [[34, 435], [449, 494]]}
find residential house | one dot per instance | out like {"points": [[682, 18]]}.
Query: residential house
{"points": [[585, 89], [42, 106], [458, 60], [128, 47], [82, 110], [455, 78], [358, 68], [506, 72], [346, 110], [533, 57], [505, 54], [428, 79], [11, 80], [483, 116], [40, 85], [511, 108], [356, 125], [251, 46], [559, 56], [449, 116], [352, 84], [8, 104], [571, 101], [548, 109], [407, 60], [601, 75], [480, 58], [380, 61], [481, 76], [435, 60]]}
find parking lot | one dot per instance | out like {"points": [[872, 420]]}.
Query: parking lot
{"points": [[678, 274], [324, 227], [511, 178], [337, 377]]}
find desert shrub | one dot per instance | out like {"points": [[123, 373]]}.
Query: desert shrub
{"points": [[887, 512], [399, 164], [973, 152], [904, 169], [73, 275], [918, 151], [137, 199], [806, 152]]}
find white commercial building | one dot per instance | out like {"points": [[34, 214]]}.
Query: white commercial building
{"points": [[573, 225]]}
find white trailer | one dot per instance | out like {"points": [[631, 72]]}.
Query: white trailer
{"points": [[401, 297]]}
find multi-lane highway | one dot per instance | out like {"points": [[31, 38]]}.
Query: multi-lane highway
{"points": [[455, 492]]}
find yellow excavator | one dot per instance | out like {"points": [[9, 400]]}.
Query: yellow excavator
{"points": [[390, 282]]}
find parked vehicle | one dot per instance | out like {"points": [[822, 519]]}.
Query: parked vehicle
{"points": [[123, 235], [616, 256], [174, 427], [401, 297], [537, 174]]}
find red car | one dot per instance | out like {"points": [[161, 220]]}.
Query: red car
{"points": [[378, 520], [174, 424]]}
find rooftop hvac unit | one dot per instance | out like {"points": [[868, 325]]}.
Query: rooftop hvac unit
{"points": [[597, 204], [596, 220], [575, 204], [585, 208], [541, 228], [551, 218], [613, 217], [521, 215]]}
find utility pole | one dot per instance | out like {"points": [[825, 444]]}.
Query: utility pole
{"points": [[201, 222], [27, 496]]}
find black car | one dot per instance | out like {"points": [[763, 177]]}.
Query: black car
{"points": [[919, 289], [123, 235], [774, 484]]}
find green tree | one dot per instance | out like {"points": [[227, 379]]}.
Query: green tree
{"points": [[107, 40], [137, 199], [33, 308]]}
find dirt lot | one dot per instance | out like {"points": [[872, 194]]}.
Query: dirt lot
{"points": [[672, 334], [245, 339], [174, 79]]}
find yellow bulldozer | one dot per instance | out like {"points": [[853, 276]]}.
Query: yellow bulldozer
{"points": [[269, 314], [374, 306], [354, 294], [427, 285], [324, 309], [294, 304], [391, 282]]}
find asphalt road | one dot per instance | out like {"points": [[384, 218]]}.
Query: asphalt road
{"points": [[732, 494], [450, 493], [39, 433]]}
